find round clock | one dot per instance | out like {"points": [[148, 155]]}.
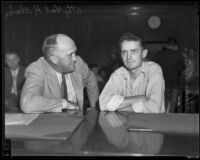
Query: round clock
{"points": [[154, 22]]}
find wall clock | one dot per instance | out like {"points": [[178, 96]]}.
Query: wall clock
{"points": [[154, 22]]}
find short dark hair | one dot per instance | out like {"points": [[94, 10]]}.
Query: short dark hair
{"points": [[9, 52], [49, 45], [131, 37]]}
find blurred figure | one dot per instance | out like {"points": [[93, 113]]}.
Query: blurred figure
{"points": [[14, 79], [114, 63], [95, 68], [100, 74], [191, 72], [103, 74], [172, 64]]}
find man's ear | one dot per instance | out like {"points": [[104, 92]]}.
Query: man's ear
{"points": [[144, 53], [53, 59]]}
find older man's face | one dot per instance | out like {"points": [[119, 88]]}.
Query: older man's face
{"points": [[12, 60], [66, 54]]}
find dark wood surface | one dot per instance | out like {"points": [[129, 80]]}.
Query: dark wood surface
{"points": [[106, 134]]}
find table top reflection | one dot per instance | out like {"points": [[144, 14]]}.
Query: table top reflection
{"points": [[106, 134]]}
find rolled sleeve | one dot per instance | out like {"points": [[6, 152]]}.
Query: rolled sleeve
{"points": [[110, 99]]}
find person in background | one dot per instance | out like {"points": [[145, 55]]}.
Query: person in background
{"points": [[14, 79], [56, 81], [138, 85], [114, 63], [100, 74], [172, 64], [95, 69]]}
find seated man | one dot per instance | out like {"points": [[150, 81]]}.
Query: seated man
{"points": [[14, 79], [137, 86], [56, 81]]}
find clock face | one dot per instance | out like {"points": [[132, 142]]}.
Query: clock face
{"points": [[154, 22]]}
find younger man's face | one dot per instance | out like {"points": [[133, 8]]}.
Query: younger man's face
{"points": [[12, 60]]}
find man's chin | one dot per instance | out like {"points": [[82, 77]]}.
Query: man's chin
{"points": [[130, 67], [72, 70]]}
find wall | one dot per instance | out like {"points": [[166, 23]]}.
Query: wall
{"points": [[95, 28]]}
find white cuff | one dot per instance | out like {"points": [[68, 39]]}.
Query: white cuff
{"points": [[115, 101], [138, 107], [64, 104]]}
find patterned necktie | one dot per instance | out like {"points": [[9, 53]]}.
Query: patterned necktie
{"points": [[64, 87]]}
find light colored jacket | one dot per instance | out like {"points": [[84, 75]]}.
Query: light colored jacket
{"points": [[42, 89]]}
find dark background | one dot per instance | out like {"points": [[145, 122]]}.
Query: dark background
{"points": [[97, 27]]}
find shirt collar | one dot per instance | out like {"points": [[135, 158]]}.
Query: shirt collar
{"points": [[125, 73], [59, 74], [15, 71]]}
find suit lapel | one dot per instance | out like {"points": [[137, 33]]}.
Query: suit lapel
{"points": [[20, 76], [52, 80], [9, 80], [77, 84]]}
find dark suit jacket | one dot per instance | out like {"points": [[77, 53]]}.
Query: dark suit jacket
{"points": [[172, 64], [12, 99]]}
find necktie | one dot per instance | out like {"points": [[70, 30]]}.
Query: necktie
{"points": [[64, 87], [14, 87]]}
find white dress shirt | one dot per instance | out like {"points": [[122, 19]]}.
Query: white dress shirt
{"points": [[14, 75]]}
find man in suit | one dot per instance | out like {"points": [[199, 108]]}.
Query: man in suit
{"points": [[172, 64], [14, 79], [56, 81]]}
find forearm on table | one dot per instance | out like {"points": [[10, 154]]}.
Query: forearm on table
{"points": [[129, 101], [37, 103]]}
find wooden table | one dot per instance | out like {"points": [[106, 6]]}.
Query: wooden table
{"points": [[106, 134]]}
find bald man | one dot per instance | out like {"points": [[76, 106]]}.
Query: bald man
{"points": [[43, 92]]}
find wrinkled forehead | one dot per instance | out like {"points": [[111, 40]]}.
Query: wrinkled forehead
{"points": [[130, 45], [65, 43]]}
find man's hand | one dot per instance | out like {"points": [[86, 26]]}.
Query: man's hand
{"points": [[72, 105]]}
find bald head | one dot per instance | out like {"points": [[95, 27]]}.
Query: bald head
{"points": [[59, 51], [57, 42]]}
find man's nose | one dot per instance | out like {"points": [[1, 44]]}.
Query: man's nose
{"points": [[128, 55], [74, 57]]}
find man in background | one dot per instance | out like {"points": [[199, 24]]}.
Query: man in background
{"points": [[56, 81], [14, 79], [172, 64]]}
